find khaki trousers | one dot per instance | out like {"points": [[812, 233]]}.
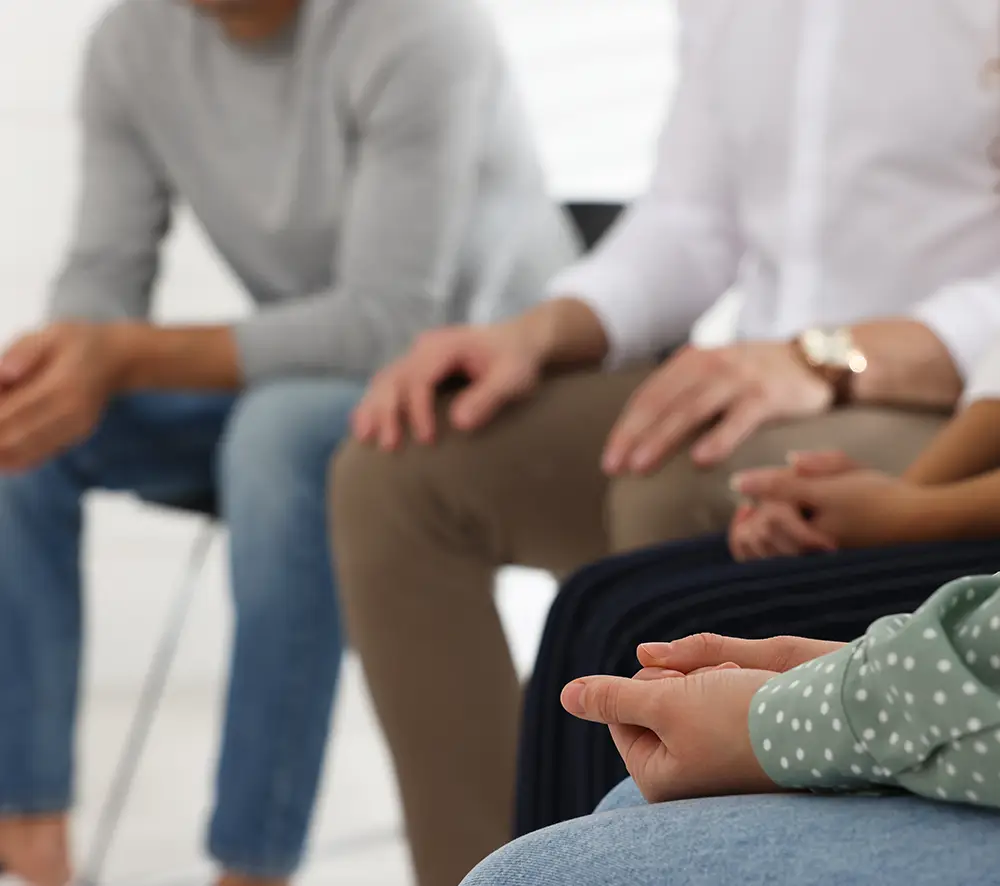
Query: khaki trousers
{"points": [[419, 535]]}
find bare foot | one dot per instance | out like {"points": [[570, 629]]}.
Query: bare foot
{"points": [[36, 849], [241, 880]]}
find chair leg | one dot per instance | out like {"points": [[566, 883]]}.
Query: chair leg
{"points": [[149, 703]]}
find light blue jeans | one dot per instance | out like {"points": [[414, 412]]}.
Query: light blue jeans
{"points": [[265, 455], [778, 840]]}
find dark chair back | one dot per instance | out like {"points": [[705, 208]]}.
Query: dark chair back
{"points": [[592, 220]]}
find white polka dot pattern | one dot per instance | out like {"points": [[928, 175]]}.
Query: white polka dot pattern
{"points": [[915, 703]]}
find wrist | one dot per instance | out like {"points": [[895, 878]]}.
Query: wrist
{"points": [[928, 513], [832, 356], [124, 342]]}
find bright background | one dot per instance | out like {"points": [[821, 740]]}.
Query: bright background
{"points": [[597, 75]]}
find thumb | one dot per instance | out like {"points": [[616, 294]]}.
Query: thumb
{"points": [[23, 358], [616, 700], [484, 397], [775, 484]]}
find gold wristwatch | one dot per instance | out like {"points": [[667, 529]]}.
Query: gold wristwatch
{"points": [[834, 356]]}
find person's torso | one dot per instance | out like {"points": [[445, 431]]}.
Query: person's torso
{"points": [[860, 134], [262, 144]]}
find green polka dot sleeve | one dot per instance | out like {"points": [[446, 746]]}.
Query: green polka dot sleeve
{"points": [[913, 704]]}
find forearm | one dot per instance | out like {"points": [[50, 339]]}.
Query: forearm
{"points": [[151, 357], [564, 333], [967, 446], [908, 365], [912, 704], [965, 510]]}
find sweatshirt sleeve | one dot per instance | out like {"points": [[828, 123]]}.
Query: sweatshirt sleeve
{"points": [[914, 704], [419, 92], [678, 248], [123, 210]]}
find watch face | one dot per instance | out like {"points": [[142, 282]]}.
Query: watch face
{"points": [[833, 349]]}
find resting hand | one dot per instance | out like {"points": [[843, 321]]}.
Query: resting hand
{"points": [[680, 737], [740, 387], [498, 361]]}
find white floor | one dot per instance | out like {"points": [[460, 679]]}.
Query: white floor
{"points": [[597, 74]]}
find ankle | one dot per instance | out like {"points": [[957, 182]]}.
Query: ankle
{"points": [[230, 879], [36, 848]]}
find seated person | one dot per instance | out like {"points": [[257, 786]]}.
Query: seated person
{"points": [[781, 171], [355, 164], [938, 520], [871, 762], [823, 501]]}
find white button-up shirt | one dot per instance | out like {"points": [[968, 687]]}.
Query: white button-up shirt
{"points": [[829, 158]]}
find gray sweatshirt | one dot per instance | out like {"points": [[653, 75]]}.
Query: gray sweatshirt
{"points": [[367, 174]]}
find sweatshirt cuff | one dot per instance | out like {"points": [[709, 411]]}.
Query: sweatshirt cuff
{"points": [[800, 730]]}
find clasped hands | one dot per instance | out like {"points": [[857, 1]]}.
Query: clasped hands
{"points": [[820, 501], [54, 387], [682, 723]]}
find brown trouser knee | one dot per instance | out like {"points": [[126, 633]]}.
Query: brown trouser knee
{"points": [[419, 535]]}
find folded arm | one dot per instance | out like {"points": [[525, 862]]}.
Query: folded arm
{"points": [[914, 704]]}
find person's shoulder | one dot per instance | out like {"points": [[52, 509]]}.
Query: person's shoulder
{"points": [[128, 20], [460, 29], [132, 39]]}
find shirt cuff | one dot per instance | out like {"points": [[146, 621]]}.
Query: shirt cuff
{"points": [[965, 316], [984, 383], [601, 285]]}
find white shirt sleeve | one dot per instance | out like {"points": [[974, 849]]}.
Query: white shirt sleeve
{"points": [[678, 248], [984, 380], [965, 316]]}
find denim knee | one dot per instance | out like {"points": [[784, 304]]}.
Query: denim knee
{"points": [[625, 796], [279, 440]]}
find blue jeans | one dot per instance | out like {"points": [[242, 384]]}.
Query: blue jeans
{"points": [[775, 840], [265, 455]]}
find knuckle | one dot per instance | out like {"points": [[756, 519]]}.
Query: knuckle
{"points": [[708, 644], [782, 653]]}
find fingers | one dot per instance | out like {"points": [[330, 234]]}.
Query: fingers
{"points": [[796, 534], [734, 429], [655, 406], [479, 402], [418, 406], [826, 463], [776, 484], [705, 650], [376, 420], [23, 358], [398, 398], [614, 700], [656, 674], [686, 415], [36, 422], [784, 532], [746, 541]]}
